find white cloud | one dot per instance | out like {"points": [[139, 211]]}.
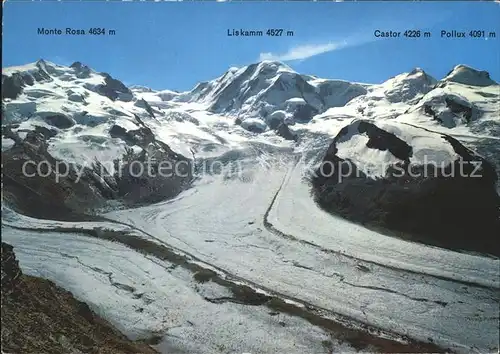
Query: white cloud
{"points": [[303, 52]]}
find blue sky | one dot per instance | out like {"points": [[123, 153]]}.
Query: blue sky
{"points": [[174, 45]]}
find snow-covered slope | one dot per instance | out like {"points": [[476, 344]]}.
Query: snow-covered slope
{"points": [[81, 106], [411, 93]]}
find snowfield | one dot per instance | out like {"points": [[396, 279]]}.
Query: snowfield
{"points": [[255, 223]]}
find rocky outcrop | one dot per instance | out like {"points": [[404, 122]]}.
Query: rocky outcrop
{"points": [[140, 137], [439, 192], [153, 174], [275, 119], [337, 93], [12, 86], [253, 125], [45, 132], [284, 131], [38, 185], [113, 89], [182, 117], [255, 128], [304, 113], [144, 104], [117, 131], [40, 317]]}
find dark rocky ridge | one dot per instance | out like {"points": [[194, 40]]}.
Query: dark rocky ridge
{"points": [[12, 85], [59, 120], [40, 317], [450, 107], [148, 108], [454, 212], [458, 108], [304, 113], [284, 131], [253, 128], [70, 196], [167, 173], [45, 197], [82, 71]]}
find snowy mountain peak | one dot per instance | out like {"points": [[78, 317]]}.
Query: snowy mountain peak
{"points": [[78, 66], [45, 64], [417, 70], [419, 74], [466, 75], [75, 77], [264, 67]]}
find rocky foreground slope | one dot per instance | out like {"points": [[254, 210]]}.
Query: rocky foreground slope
{"points": [[40, 317], [43, 182]]}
